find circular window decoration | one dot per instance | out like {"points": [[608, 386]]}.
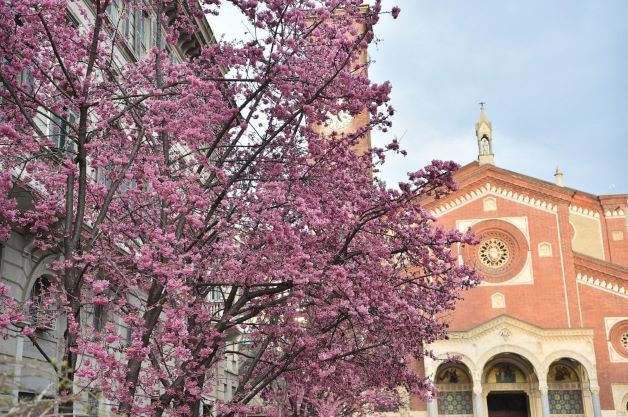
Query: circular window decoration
{"points": [[619, 337], [501, 253], [493, 253]]}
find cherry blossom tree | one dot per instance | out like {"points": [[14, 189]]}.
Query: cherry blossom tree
{"points": [[198, 205]]}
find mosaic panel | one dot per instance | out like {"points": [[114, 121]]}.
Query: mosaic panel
{"points": [[455, 402], [565, 402]]}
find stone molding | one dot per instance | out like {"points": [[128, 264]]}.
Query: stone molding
{"points": [[504, 334], [617, 213], [584, 211], [489, 189], [508, 321], [602, 284]]}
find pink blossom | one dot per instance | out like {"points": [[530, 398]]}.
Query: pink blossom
{"points": [[204, 215]]}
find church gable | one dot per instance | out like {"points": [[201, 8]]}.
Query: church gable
{"points": [[489, 194]]}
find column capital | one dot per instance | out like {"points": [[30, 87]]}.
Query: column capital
{"points": [[543, 388], [477, 389], [595, 389]]}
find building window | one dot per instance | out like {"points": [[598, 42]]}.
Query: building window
{"points": [[153, 33], [143, 22], [113, 12], [136, 27], [103, 175], [618, 338], [502, 252], [623, 340], [60, 131], [41, 313], [43, 405], [494, 253], [129, 27], [99, 317], [92, 403], [27, 81]]}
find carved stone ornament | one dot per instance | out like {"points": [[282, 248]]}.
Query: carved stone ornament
{"points": [[505, 333]]}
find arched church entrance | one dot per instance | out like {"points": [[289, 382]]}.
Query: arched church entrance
{"points": [[509, 382], [508, 404]]}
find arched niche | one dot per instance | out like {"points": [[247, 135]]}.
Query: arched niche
{"points": [[586, 368], [509, 371], [510, 383], [452, 373], [455, 389], [565, 378], [505, 373], [525, 359]]}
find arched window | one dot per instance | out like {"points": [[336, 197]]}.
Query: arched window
{"points": [[40, 309]]}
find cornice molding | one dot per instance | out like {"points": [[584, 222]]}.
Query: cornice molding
{"points": [[489, 189], [504, 321], [602, 284], [584, 211], [617, 213]]}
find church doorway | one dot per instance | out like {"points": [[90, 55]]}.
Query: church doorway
{"points": [[508, 404]]}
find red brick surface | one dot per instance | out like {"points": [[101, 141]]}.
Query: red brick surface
{"points": [[555, 299]]}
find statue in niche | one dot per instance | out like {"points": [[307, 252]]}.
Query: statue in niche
{"points": [[485, 148]]}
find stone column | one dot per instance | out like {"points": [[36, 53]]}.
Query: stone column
{"points": [[595, 399], [544, 401], [432, 409], [478, 400]]}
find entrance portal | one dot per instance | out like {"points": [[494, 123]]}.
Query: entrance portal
{"points": [[508, 404]]}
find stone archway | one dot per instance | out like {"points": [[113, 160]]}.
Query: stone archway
{"points": [[532, 348], [572, 389], [510, 384], [565, 381], [455, 389]]}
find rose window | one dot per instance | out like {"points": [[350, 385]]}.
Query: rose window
{"points": [[494, 253], [501, 253], [619, 338]]}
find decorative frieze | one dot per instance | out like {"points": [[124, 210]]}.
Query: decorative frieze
{"points": [[584, 211], [489, 189], [616, 213], [602, 284]]}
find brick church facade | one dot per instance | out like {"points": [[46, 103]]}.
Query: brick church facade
{"points": [[546, 334]]}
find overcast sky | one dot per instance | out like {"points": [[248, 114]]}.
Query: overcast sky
{"points": [[553, 74]]}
